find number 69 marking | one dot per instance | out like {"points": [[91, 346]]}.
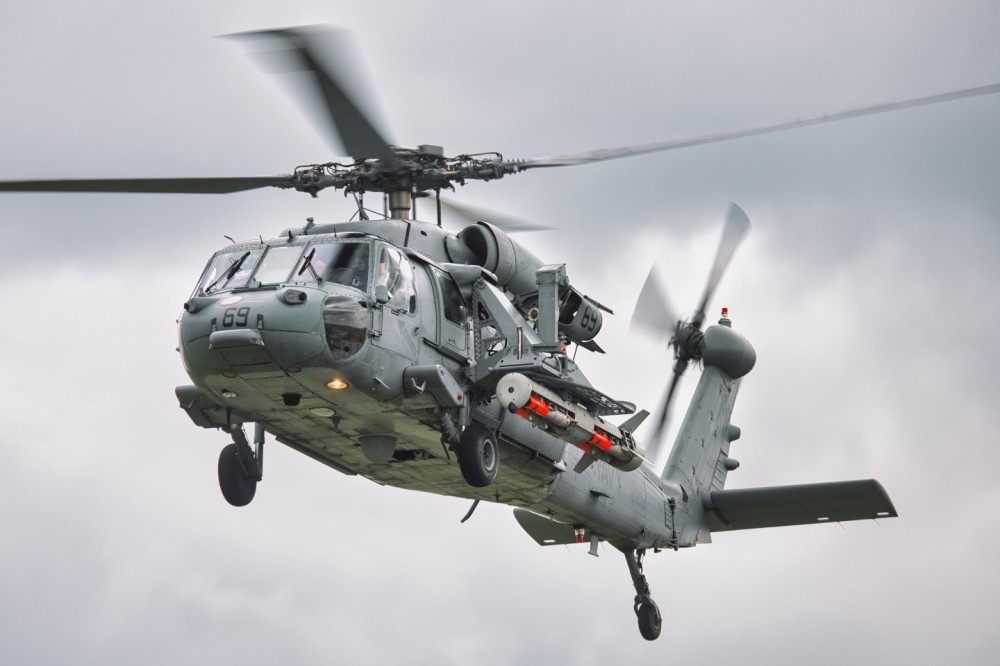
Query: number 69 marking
{"points": [[235, 316]]}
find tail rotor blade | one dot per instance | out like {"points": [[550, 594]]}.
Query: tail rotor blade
{"points": [[736, 227], [653, 312], [656, 442]]}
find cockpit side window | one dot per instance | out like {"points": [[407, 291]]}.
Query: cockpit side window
{"points": [[396, 273], [342, 263], [229, 270]]}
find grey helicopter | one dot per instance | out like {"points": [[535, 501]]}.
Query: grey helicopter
{"points": [[393, 348]]}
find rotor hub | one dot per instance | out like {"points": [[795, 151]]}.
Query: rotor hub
{"points": [[688, 342]]}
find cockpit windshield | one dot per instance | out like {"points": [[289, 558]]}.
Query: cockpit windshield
{"points": [[230, 270], [277, 264], [344, 263]]}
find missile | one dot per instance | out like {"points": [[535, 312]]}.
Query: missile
{"points": [[569, 422]]}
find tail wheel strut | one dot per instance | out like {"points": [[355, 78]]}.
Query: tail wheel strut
{"points": [[646, 610]]}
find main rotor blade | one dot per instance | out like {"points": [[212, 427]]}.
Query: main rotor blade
{"points": [[508, 223], [223, 185], [653, 312], [305, 50], [736, 227], [604, 154]]}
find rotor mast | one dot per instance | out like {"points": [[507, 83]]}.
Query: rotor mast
{"points": [[400, 204]]}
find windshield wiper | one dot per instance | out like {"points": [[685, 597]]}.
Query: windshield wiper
{"points": [[228, 275], [307, 263]]}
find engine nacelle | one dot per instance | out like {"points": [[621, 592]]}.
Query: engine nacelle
{"points": [[491, 248], [483, 244]]}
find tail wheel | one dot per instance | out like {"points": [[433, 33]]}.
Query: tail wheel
{"points": [[478, 455], [236, 486], [650, 621]]}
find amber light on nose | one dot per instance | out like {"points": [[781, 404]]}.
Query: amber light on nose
{"points": [[336, 384]]}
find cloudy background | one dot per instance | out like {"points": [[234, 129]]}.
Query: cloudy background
{"points": [[868, 287]]}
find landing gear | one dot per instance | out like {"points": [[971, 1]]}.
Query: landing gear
{"points": [[240, 468], [646, 610], [478, 455], [650, 621]]}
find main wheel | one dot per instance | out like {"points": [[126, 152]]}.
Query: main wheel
{"points": [[478, 455], [236, 486], [650, 621]]}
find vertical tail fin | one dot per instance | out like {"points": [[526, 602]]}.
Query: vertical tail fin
{"points": [[699, 460]]}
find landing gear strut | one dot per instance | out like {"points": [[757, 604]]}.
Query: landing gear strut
{"points": [[240, 468], [650, 620]]}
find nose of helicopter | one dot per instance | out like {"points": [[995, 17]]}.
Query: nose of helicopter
{"points": [[268, 329]]}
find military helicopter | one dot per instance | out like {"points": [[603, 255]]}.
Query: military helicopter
{"points": [[395, 349]]}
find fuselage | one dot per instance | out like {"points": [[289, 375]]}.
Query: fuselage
{"points": [[350, 343]]}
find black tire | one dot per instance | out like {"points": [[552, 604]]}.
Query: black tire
{"points": [[236, 486], [478, 455], [650, 621]]}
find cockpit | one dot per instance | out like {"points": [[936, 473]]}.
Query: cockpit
{"points": [[353, 271], [252, 266]]}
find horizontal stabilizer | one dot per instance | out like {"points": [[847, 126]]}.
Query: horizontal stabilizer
{"points": [[809, 504]]}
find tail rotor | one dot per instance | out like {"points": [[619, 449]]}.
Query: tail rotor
{"points": [[655, 316]]}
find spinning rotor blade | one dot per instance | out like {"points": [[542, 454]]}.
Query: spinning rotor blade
{"points": [[653, 312], [603, 154], [222, 185], [321, 57], [508, 223], [304, 50], [736, 227], [655, 442]]}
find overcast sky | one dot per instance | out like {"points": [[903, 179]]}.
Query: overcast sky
{"points": [[868, 287]]}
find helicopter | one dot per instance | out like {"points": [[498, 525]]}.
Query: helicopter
{"points": [[437, 361]]}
